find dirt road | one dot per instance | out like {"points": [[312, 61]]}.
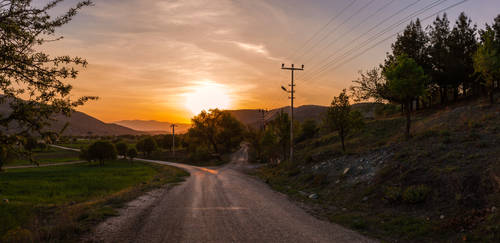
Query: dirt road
{"points": [[218, 205]]}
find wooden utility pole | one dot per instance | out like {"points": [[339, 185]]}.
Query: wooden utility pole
{"points": [[263, 118], [173, 139], [292, 94]]}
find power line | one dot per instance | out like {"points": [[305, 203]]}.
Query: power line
{"points": [[321, 29], [372, 38], [338, 26], [378, 43], [351, 29], [374, 27]]}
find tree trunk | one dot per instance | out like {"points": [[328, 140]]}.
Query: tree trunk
{"points": [[408, 122], [492, 98]]}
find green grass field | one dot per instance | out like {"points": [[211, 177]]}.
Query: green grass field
{"points": [[57, 203], [48, 156]]}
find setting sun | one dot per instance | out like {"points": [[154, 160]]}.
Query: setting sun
{"points": [[207, 95]]}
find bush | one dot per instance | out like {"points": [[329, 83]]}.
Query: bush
{"points": [[416, 194], [392, 194]]}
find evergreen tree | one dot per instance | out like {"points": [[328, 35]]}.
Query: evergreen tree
{"points": [[405, 82], [440, 55], [462, 44]]}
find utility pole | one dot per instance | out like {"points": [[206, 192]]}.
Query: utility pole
{"points": [[292, 94], [173, 139], [263, 118]]}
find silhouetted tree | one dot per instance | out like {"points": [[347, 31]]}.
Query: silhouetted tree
{"points": [[122, 149], [405, 82], [341, 118], [100, 151], [440, 55], [370, 85], [132, 154], [218, 130], [27, 72], [147, 145], [462, 44]]}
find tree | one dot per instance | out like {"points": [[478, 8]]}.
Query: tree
{"points": [[487, 61], [413, 43], [371, 85], [440, 55], [29, 145], [132, 153], [217, 130], [101, 151], [122, 149], [308, 130], [147, 146], [405, 82], [462, 44], [341, 118], [28, 72]]}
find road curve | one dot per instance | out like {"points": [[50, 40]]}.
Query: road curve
{"points": [[218, 205]]}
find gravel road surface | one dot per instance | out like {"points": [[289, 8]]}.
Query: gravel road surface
{"points": [[218, 205]]}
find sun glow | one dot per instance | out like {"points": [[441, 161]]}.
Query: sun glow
{"points": [[207, 95]]}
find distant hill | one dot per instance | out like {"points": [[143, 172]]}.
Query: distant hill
{"points": [[253, 117], [81, 124], [154, 127]]}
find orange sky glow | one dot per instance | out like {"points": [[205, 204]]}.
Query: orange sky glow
{"points": [[167, 60]]}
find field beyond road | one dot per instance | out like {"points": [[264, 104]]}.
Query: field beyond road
{"points": [[58, 203]]}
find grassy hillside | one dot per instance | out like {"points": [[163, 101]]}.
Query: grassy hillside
{"points": [[56, 204], [443, 185]]}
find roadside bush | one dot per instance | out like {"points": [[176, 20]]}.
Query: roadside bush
{"points": [[416, 194], [392, 194]]}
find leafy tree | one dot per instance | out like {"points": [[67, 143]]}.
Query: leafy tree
{"points": [[147, 145], [309, 129], [371, 85], [413, 43], [487, 60], [341, 118], [280, 130], [100, 151], [405, 82], [462, 44], [132, 153], [253, 137], [122, 149], [217, 130], [28, 72], [29, 145]]}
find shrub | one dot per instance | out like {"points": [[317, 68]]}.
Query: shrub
{"points": [[392, 194], [416, 194]]}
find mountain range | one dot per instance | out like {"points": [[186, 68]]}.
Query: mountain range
{"points": [[154, 127], [81, 124]]}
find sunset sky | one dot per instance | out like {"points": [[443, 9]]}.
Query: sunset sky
{"points": [[152, 59]]}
